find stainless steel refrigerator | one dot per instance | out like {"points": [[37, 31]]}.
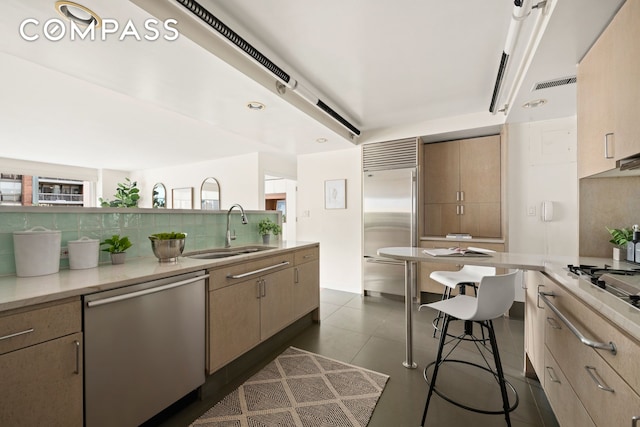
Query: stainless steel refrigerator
{"points": [[389, 207]]}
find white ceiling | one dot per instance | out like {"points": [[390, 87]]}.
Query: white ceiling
{"points": [[393, 68]]}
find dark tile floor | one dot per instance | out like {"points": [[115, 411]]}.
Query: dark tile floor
{"points": [[369, 332]]}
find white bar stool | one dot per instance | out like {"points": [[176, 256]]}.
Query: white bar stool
{"points": [[495, 295], [468, 275]]}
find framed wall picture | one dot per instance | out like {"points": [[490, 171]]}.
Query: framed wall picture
{"points": [[182, 198], [335, 194]]}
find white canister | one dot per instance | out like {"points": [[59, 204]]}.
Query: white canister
{"points": [[37, 251], [83, 253]]}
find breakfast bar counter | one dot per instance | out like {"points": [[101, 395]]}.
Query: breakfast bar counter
{"points": [[618, 312]]}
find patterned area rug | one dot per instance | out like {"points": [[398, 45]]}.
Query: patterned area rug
{"points": [[300, 389]]}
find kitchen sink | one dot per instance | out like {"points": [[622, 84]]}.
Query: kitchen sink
{"points": [[227, 252]]}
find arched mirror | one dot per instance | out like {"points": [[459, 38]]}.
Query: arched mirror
{"points": [[159, 196], [210, 194]]}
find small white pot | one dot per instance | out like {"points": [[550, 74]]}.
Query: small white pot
{"points": [[617, 254]]}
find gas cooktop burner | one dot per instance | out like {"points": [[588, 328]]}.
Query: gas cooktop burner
{"points": [[593, 273]]}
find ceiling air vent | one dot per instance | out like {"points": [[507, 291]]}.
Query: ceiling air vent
{"points": [[554, 83]]}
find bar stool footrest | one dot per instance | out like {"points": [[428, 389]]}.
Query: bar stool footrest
{"points": [[470, 408]]}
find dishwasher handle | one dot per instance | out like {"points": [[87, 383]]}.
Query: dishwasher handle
{"points": [[136, 294]]}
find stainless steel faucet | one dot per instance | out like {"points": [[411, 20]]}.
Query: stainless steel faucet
{"points": [[229, 237]]}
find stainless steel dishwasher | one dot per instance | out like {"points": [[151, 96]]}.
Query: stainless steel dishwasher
{"points": [[144, 348]]}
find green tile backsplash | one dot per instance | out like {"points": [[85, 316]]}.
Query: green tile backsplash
{"points": [[205, 229]]}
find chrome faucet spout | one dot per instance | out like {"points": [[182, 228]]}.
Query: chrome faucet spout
{"points": [[243, 217]]}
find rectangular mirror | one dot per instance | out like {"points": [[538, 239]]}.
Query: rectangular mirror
{"points": [[182, 198]]}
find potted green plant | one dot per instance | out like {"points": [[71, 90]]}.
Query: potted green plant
{"points": [[167, 247], [266, 228], [127, 196], [619, 238], [116, 247]]}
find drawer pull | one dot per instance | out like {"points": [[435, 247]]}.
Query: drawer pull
{"points": [[634, 421], [552, 375], [260, 270], [605, 346], [77, 344], [17, 334], [591, 370], [552, 322]]}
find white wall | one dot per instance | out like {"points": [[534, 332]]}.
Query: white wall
{"points": [[339, 231], [238, 177], [543, 166]]}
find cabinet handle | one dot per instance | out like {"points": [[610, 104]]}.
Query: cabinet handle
{"points": [[295, 275], [17, 334], [634, 421], [461, 209], [77, 344], [264, 288], [457, 209], [591, 370], [552, 322], [606, 145], [259, 288], [457, 196], [260, 270], [552, 375], [462, 196], [584, 340]]}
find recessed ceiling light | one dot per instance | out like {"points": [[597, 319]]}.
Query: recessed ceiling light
{"points": [[321, 140], [77, 13], [535, 103], [255, 106]]}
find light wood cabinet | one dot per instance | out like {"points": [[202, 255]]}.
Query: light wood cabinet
{"points": [[276, 302], [626, 84], [595, 107], [233, 322], [605, 383], [567, 408], [250, 301], [534, 317], [462, 187], [607, 95], [426, 268], [306, 291], [41, 366]]}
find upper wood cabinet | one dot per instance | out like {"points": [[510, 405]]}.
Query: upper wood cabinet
{"points": [[626, 81], [462, 187], [608, 95]]}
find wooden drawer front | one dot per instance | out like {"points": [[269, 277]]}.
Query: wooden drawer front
{"points": [[219, 276], [42, 384], [613, 403], [22, 328], [598, 328], [306, 255], [234, 323], [566, 406]]}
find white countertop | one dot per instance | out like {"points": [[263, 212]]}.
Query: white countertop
{"points": [[18, 292], [622, 314]]}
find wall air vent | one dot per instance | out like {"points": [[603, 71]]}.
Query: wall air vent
{"points": [[399, 154], [554, 83]]}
